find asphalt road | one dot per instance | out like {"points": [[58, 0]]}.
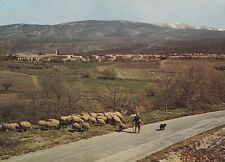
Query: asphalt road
{"points": [[127, 146]]}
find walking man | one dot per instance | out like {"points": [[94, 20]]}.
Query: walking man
{"points": [[137, 123]]}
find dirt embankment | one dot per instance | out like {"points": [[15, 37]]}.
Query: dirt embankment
{"points": [[206, 147]]}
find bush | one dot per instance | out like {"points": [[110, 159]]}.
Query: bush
{"points": [[151, 92], [6, 84], [109, 73], [87, 74]]}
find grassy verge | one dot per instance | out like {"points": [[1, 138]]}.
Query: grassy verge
{"points": [[15, 143]]}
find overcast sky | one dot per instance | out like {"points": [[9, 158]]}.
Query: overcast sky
{"points": [[195, 12]]}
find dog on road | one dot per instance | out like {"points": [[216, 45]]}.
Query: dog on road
{"points": [[162, 126]]}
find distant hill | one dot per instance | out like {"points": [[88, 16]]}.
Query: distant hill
{"points": [[111, 36]]}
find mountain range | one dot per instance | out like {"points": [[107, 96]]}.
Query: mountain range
{"points": [[102, 37]]}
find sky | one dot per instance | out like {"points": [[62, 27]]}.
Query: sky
{"points": [[209, 13]]}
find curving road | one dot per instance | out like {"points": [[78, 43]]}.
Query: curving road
{"points": [[127, 146]]}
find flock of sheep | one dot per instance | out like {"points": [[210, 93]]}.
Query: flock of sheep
{"points": [[77, 122]]}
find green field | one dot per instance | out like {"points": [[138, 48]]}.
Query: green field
{"points": [[136, 78], [133, 80]]}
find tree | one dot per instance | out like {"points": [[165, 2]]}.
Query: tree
{"points": [[167, 83], [72, 97], [58, 97], [198, 86], [115, 97], [6, 84], [192, 85]]}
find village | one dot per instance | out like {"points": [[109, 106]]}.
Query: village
{"points": [[58, 57]]}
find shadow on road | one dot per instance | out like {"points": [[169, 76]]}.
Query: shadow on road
{"points": [[158, 129], [124, 131]]}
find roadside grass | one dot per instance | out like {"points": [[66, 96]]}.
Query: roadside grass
{"points": [[14, 143]]}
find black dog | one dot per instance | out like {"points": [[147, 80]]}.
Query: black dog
{"points": [[162, 126]]}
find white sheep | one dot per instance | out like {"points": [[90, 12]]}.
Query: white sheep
{"points": [[100, 121], [85, 116], [100, 114], [85, 126], [77, 119], [52, 123], [41, 123], [93, 115], [92, 120], [118, 114], [24, 125], [116, 120], [10, 126], [101, 117], [76, 126], [65, 120], [122, 127]]}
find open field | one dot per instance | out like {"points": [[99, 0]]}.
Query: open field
{"points": [[129, 74], [136, 78]]}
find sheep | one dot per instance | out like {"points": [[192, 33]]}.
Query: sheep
{"points": [[41, 123], [109, 117], [93, 115], [76, 126], [49, 125], [85, 126], [118, 114], [102, 117], [85, 116], [116, 119], [77, 119], [11, 126], [65, 120], [46, 124], [52, 123], [100, 114], [100, 121], [24, 125], [92, 120], [122, 127]]}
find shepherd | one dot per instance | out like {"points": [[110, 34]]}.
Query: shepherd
{"points": [[137, 123]]}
